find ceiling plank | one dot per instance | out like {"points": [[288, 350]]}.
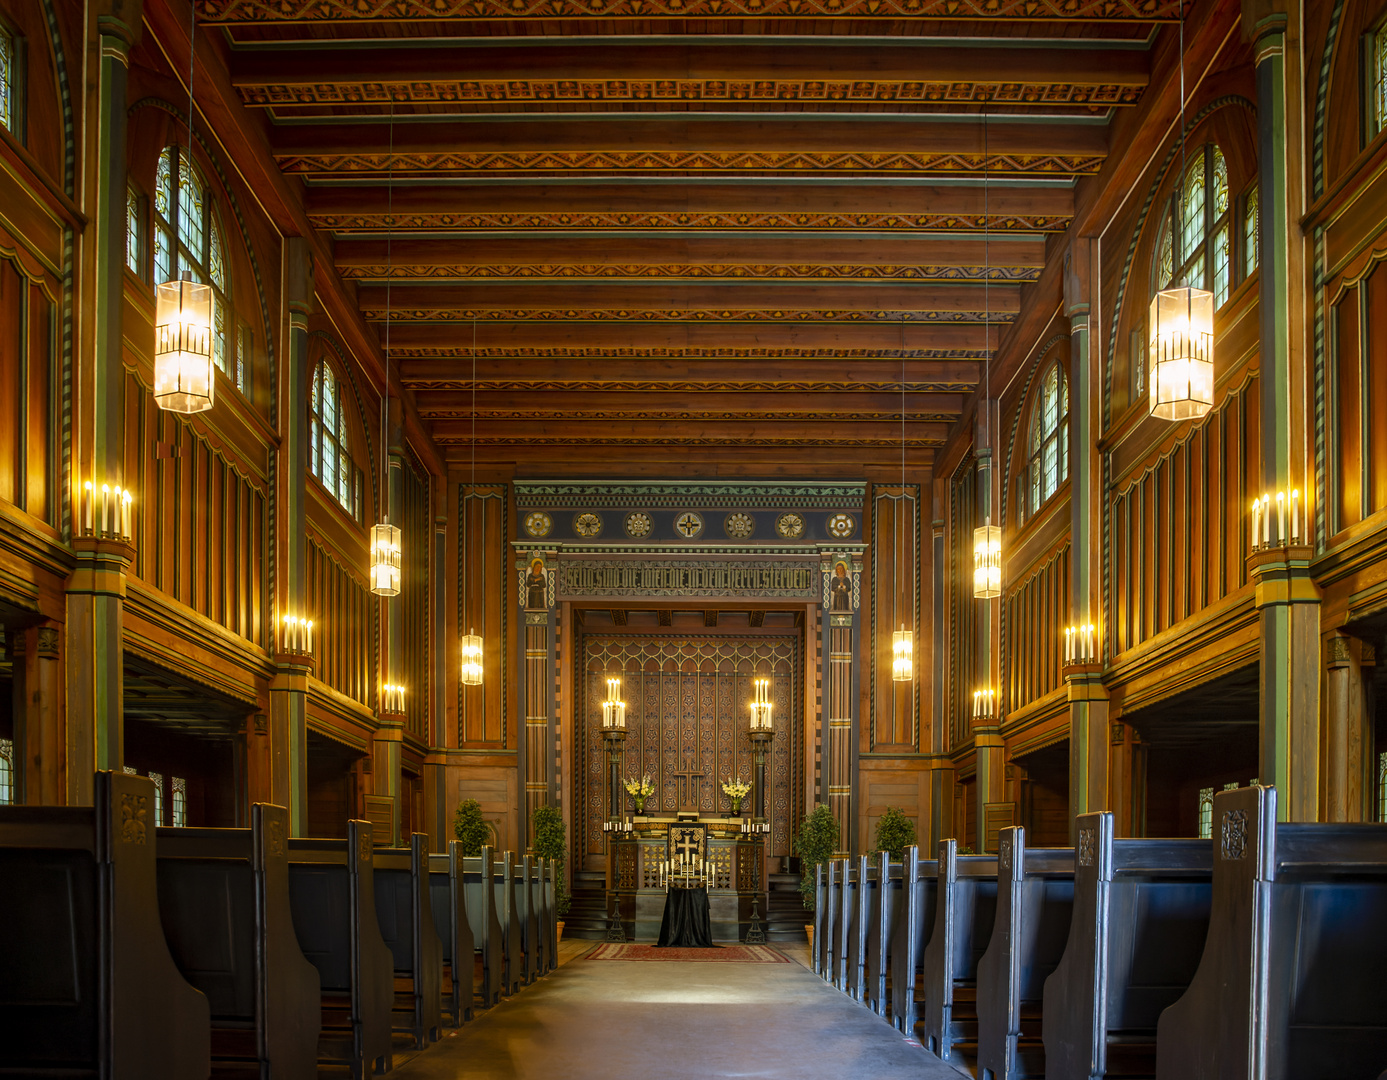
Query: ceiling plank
{"points": [[501, 403]]}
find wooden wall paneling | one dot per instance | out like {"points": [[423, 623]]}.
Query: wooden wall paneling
{"points": [[895, 593], [1348, 411], [963, 619], [483, 595], [341, 607], [1374, 303], [416, 523]]}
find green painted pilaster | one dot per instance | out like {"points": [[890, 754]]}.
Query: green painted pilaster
{"points": [[387, 779]]}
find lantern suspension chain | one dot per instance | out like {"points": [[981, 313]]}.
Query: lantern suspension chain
{"points": [[385, 538]]}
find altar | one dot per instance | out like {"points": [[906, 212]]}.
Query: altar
{"points": [[733, 868]]}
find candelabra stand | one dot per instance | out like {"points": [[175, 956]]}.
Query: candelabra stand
{"points": [[615, 738], [754, 934], [761, 739], [614, 930]]}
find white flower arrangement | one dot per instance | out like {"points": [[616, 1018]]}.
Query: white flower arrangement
{"points": [[736, 788], [639, 788]]}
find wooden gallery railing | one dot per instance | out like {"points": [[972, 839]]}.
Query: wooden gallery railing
{"points": [[245, 947]]}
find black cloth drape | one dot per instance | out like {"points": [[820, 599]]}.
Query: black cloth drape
{"points": [[687, 923]]}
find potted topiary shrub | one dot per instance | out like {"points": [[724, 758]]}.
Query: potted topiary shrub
{"points": [[895, 832], [550, 842], [815, 845], [470, 828]]}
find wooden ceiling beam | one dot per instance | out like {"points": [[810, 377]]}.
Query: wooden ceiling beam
{"points": [[924, 254], [503, 404], [410, 300], [873, 373], [263, 74], [691, 339], [691, 462], [416, 144], [620, 204], [650, 430]]}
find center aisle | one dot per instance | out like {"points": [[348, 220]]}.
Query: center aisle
{"points": [[662, 1020]]}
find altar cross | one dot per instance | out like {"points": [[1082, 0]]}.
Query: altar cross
{"points": [[688, 844], [687, 790]]}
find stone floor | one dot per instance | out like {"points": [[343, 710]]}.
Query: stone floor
{"points": [[614, 1020]]}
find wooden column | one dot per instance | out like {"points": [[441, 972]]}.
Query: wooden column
{"points": [[1349, 775], [40, 754], [840, 726], [1088, 700], [386, 779], [989, 746], [96, 592], [289, 686], [537, 685], [1126, 779], [1286, 597], [941, 766]]}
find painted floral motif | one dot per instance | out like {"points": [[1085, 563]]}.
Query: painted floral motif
{"points": [[587, 525], [841, 526], [639, 524], [739, 525], [538, 523], [688, 525], [790, 526]]}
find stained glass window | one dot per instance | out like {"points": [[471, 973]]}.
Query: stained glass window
{"points": [[1206, 813], [186, 213], [1195, 246], [329, 454], [1252, 234], [134, 232], [158, 797], [180, 802], [1048, 465], [1377, 80], [6, 772], [7, 78], [1382, 787]]}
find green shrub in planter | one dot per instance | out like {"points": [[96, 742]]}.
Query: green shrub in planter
{"points": [[895, 832], [815, 845], [550, 842], [470, 827]]}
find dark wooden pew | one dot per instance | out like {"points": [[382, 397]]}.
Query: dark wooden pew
{"points": [[863, 896], [881, 929], [549, 955], [405, 910], [847, 909], [551, 901], [828, 933], [1141, 911], [224, 904], [89, 986], [527, 918], [503, 884], [1290, 983], [448, 900], [912, 932], [963, 915], [333, 899], [821, 919], [1035, 905], [478, 876]]}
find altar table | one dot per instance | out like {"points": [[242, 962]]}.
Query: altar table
{"points": [[686, 923]]}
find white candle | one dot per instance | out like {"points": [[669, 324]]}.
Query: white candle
{"points": [[1295, 514], [88, 513], [1092, 642], [105, 509], [308, 636], [1068, 644], [1280, 518], [1266, 520], [1256, 515], [125, 529]]}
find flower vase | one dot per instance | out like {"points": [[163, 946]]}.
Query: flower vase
{"points": [[640, 804], [736, 807]]}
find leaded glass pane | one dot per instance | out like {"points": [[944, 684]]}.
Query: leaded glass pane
{"points": [[163, 186], [314, 442], [158, 797], [1050, 467], [6, 78], [344, 478], [1063, 438], [329, 461], [1382, 787], [219, 333], [163, 262], [6, 772], [1050, 401], [180, 802], [216, 266], [192, 211], [328, 411], [1252, 235], [1165, 263], [1223, 260], [1220, 184], [1378, 91], [1206, 813], [132, 230], [1192, 210]]}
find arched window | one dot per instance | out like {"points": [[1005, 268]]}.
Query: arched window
{"points": [[1048, 446], [1195, 248], [9, 65], [329, 453], [188, 237]]}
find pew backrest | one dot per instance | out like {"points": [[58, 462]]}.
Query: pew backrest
{"points": [[80, 883], [883, 910], [964, 911], [913, 930], [843, 928], [224, 904], [833, 894], [448, 900], [479, 872]]}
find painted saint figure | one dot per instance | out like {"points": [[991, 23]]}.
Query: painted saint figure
{"points": [[537, 588], [840, 589]]}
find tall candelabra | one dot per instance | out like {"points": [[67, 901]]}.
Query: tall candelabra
{"points": [[762, 735]]}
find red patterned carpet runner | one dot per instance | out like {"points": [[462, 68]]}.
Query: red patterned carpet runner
{"points": [[727, 954]]}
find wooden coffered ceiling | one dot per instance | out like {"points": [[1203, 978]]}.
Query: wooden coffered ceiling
{"points": [[689, 236]]}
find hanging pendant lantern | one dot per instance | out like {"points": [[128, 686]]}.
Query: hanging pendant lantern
{"points": [[987, 560], [903, 655], [471, 659], [1182, 353], [385, 560], [183, 378]]}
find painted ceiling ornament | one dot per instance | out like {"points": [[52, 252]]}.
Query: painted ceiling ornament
{"points": [[688, 525], [587, 524], [639, 524], [790, 526], [842, 526], [538, 523], [739, 525]]}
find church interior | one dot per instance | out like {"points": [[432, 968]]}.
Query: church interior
{"points": [[893, 490]]}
